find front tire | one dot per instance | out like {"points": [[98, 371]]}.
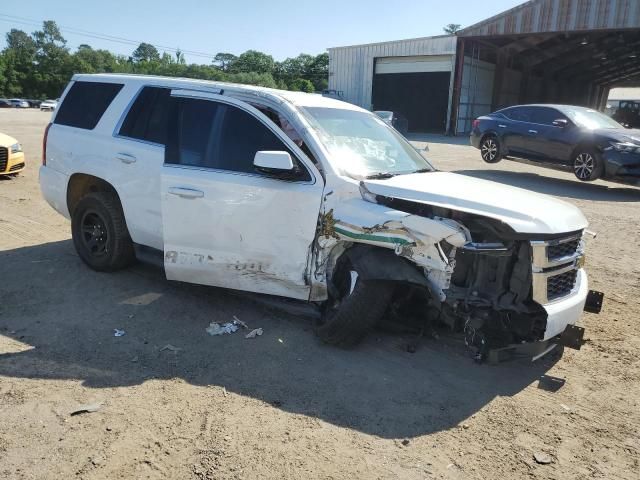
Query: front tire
{"points": [[587, 165], [100, 232], [354, 309], [490, 149]]}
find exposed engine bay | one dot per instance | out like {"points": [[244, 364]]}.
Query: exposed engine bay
{"points": [[489, 297]]}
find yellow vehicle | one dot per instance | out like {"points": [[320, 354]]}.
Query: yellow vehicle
{"points": [[11, 155]]}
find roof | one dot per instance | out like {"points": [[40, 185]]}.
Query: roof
{"points": [[299, 99], [390, 42], [543, 16]]}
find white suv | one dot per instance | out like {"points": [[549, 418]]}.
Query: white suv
{"points": [[307, 197]]}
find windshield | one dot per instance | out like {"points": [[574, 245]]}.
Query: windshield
{"points": [[361, 145], [384, 114], [591, 119]]}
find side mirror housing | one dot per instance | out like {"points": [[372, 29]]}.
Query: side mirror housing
{"points": [[273, 161], [561, 122]]}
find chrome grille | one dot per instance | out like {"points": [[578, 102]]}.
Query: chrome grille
{"points": [[4, 158], [555, 265], [562, 250], [561, 285]]}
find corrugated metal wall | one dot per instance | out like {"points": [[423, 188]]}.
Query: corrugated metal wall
{"points": [[539, 16], [351, 68]]}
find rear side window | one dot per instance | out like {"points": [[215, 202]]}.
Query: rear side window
{"points": [[520, 114], [85, 103], [147, 117]]}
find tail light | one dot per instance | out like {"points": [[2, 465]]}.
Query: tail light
{"points": [[476, 124], [44, 144]]}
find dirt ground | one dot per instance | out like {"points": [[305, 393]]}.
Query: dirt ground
{"points": [[178, 403]]}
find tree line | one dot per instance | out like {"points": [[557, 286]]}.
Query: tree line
{"points": [[39, 65]]}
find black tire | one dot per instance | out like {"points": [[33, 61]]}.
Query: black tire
{"points": [[344, 322], [100, 232], [587, 164], [490, 149]]}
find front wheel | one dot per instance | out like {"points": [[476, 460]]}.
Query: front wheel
{"points": [[490, 150], [354, 308], [587, 165]]}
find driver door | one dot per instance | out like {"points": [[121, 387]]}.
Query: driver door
{"points": [[225, 223]]}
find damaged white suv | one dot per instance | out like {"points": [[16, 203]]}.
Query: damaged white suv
{"points": [[306, 197]]}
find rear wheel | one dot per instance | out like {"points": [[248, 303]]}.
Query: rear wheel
{"points": [[490, 149], [587, 165], [353, 309], [100, 233]]}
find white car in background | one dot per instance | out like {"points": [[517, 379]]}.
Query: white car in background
{"points": [[307, 197], [48, 105]]}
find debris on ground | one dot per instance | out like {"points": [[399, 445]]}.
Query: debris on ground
{"points": [[224, 391], [237, 321], [88, 408], [254, 333], [118, 333], [405, 442], [217, 329], [542, 458], [171, 348]]}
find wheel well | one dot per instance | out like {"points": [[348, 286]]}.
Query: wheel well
{"points": [[81, 184], [581, 146], [487, 135]]}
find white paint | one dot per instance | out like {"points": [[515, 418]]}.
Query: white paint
{"points": [[522, 210], [414, 64]]}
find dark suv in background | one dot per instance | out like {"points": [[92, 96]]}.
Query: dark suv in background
{"points": [[591, 143]]}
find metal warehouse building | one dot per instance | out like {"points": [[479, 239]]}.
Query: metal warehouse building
{"points": [[543, 51]]}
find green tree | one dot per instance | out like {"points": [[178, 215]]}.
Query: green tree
{"points": [[253, 61], [452, 28], [224, 61], [302, 85], [145, 53]]}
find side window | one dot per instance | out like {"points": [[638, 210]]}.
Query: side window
{"points": [[520, 114], [208, 134], [147, 117], [85, 103], [545, 115]]}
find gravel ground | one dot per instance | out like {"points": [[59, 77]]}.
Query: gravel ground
{"points": [[177, 403]]}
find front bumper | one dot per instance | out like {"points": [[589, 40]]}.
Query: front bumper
{"points": [[621, 166], [14, 162], [567, 311]]}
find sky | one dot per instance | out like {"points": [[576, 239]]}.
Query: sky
{"points": [[282, 28]]}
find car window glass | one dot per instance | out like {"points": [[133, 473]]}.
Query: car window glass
{"points": [[520, 114], [545, 115], [215, 135], [85, 103], [147, 117]]}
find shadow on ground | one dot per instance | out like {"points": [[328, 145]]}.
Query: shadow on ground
{"points": [[557, 186], [62, 315], [438, 138]]}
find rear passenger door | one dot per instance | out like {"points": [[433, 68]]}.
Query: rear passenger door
{"points": [[138, 150], [515, 133], [225, 223]]}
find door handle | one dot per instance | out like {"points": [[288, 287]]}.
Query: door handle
{"points": [[125, 157], [533, 132], [502, 126], [186, 192]]}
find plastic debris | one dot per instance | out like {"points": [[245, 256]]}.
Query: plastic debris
{"points": [[118, 333], [254, 333], [237, 321], [171, 348], [217, 329], [542, 458], [88, 408]]}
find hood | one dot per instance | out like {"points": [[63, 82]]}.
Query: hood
{"points": [[522, 210], [6, 140], [619, 134]]}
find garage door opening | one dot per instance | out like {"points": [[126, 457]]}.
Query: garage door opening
{"points": [[415, 87]]}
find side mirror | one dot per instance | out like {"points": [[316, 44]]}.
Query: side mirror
{"points": [[273, 162], [561, 122]]}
